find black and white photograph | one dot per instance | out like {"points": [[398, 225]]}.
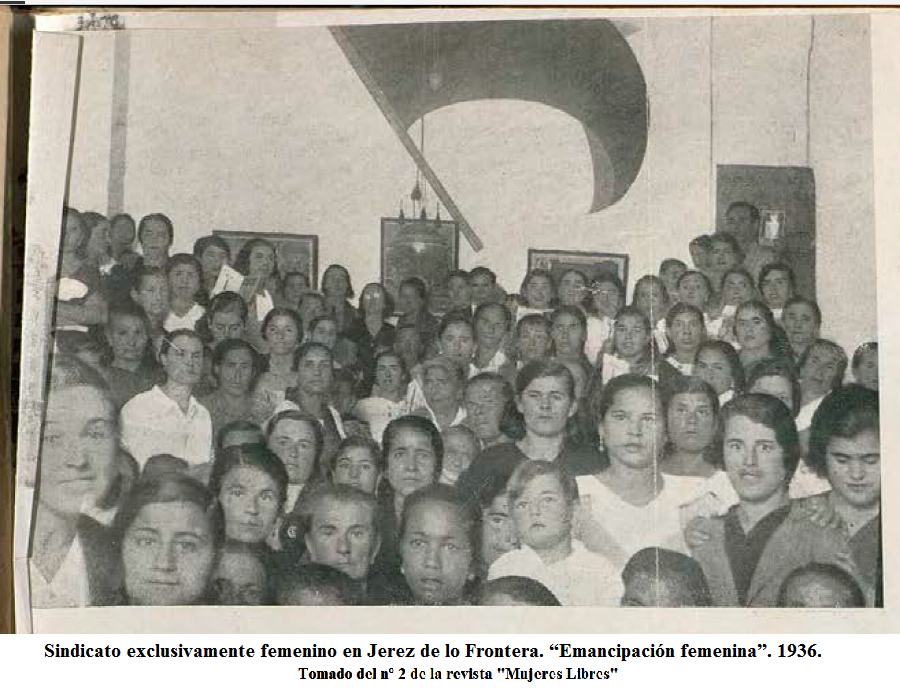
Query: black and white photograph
{"points": [[572, 312]]}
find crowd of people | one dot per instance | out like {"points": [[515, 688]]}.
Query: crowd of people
{"points": [[219, 432]]}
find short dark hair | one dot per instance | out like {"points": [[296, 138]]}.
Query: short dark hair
{"points": [[532, 320], [539, 273], [416, 284], [185, 260], [315, 578], [520, 589], [226, 301], [741, 271], [483, 271], [862, 351], [207, 241], [674, 569], [690, 274], [702, 241], [751, 209], [731, 356], [358, 442], [683, 308], [726, 237], [778, 266], [459, 273], [771, 413], [242, 261], [777, 367], [156, 218], [453, 319], [837, 575], [621, 383], [484, 306], [570, 310], [666, 264], [300, 416], [446, 494], [282, 311], [253, 455], [845, 412], [544, 368], [683, 385], [812, 304], [230, 345], [169, 339], [532, 469]]}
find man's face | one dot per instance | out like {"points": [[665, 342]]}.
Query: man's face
{"points": [[122, 235], [482, 288], [754, 460], [408, 345], [342, 535], [226, 324], [235, 372], [314, 373], [776, 288], [183, 361], [389, 373]]}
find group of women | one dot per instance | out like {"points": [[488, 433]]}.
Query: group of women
{"points": [[217, 432]]}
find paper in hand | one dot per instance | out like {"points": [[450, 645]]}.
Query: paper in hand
{"points": [[229, 280]]}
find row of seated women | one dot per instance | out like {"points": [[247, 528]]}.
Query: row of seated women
{"points": [[305, 382]]}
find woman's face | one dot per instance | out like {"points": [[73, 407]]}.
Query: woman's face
{"points": [[546, 404], [235, 372], [533, 342], [801, 326], [485, 405], [776, 386], [607, 298], [712, 366], [691, 423], [294, 442], [98, 246], [373, 299], [282, 335], [460, 293], [694, 291], [184, 281], [686, 333], [751, 329], [440, 386], [568, 335], [326, 333], [572, 288], [311, 307], [458, 343], [866, 372], [633, 429], [153, 295], [226, 323], [389, 373], [649, 299], [754, 460], [262, 261], [356, 467], [168, 554], [736, 289], [127, 338], [630, 337], [294, 286], [854, 468], [490, 327], [542, 514], [538, 292], [776, 288], [78, 450], [336, 283], [251, 501], [722, 257], [183, 361], [211, 261], [498, 531], [411, 461], [819, 371]]}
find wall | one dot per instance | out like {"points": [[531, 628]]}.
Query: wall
{"points": [[272, 131]]}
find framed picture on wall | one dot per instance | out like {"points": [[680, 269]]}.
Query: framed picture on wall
{"points": [[592, 264], [426, 248], [293, 253]]}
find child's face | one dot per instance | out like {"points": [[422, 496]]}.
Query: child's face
{"points": [[294, 442], [686, 332], [633, 429], [818, 373], [691, 422], [646, 590], [571, 288], [631, 336], [357, 468], [546, 404], [436, 552], [607, 298], [736, 289], [342, 535], [226, 324], [854, 468], [816, 592], [568, 336], [692, 290], [648, 298], [128, 338], [542, 513], [411, 461], [754, 460], [498, 531], [866, 372], [776, 386], [533, 342], [239, 580], [538, 293], [168, 555], [251, 500], [800, 324], [712, 366], [458, 343], [460, 450], [751, 329], [776, 289]]}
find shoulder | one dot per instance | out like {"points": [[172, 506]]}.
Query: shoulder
{"points": [[580, 459], [142, 401]]}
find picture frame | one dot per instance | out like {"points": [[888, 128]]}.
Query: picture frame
{"points": [[423, 247], [293, 252], [592, 264]]}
